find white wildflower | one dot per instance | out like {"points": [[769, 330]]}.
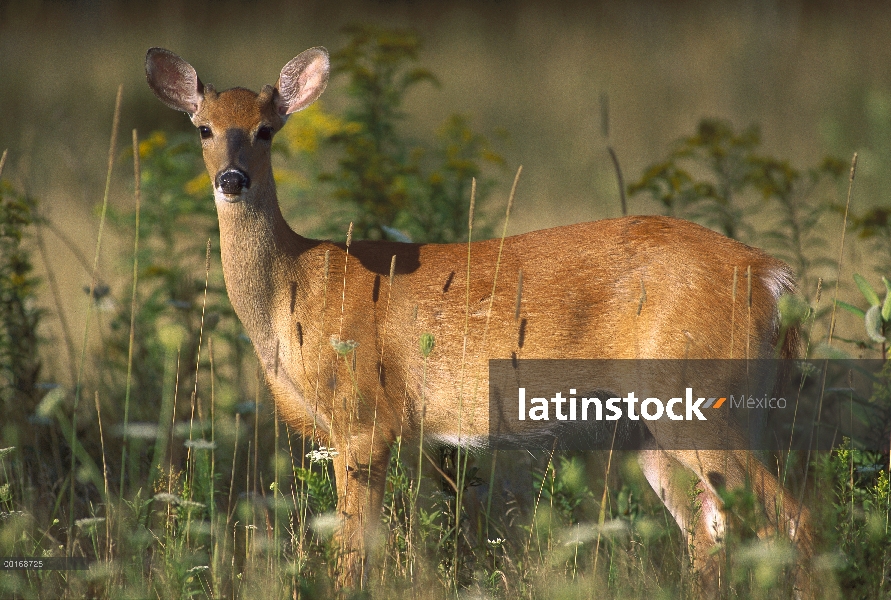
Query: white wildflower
{"points": [[325, 524], [139, 431], [90, 523], [323, 454], [167, 498], [200, 444], [199, 569]]}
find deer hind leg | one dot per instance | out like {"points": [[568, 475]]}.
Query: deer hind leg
{"points": [[360, 470]]}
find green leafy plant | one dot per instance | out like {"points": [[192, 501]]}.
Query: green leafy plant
{"points": [[319, 492], [388, 186], [20, 315], [564, 488], [857, 518]]}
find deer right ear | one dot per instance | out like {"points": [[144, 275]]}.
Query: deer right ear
{"points": [[302, 81], [173, 80]]}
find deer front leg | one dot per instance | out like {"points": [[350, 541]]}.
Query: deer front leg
{"points": [[739, 469], [695, 509], [705, 519], [360, 471], [785, 517]]}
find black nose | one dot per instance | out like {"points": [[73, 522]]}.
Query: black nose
{"points": [[232, 181]]}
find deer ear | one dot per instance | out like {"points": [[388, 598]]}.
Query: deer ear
{"points": [[302, 81], [173, 80]]}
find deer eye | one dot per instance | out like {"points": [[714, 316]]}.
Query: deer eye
{"points": [[264, 133], [205, 132]]}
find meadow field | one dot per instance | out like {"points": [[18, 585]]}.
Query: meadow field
{"points": [[136, 431]]}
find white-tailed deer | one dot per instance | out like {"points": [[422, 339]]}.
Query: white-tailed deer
{"points": [[581, 298]]}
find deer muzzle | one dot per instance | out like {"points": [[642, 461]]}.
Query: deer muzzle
{"points": [[231, 182]]}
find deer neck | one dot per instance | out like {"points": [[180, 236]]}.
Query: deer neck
{"points": [[259, 252]]}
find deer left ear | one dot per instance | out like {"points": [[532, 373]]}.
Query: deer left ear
{"points": [[302, 81]]}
